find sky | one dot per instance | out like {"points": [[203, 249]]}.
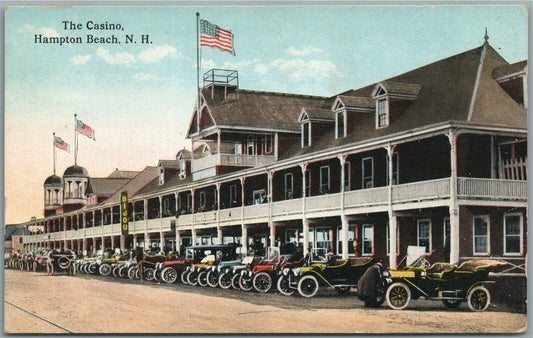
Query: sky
{"points": [[139, 97]]}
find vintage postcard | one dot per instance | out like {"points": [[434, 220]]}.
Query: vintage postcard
{"points": [[266, 169]]}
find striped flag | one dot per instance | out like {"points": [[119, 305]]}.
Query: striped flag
{"points": [[58, 142], [214, 36], [84, 129]]}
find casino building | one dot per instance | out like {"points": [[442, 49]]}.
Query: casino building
{"points": [[434, 157]]}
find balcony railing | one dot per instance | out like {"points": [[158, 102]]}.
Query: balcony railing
{"points": [[230, 159], [484, 188]]}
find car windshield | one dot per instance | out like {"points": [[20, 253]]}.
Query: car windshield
{"points": [[319, 255], [247, 260], [272, 254]]}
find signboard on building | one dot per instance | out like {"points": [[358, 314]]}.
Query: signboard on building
{"points": [[124, 212]]}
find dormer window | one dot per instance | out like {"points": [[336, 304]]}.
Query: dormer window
{"points": [[205, 151], [161, 176], [382, 116], [306, 134], [340, 125]]}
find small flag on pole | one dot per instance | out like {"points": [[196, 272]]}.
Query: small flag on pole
{"points": [[214, 36], [84, 129], [58, 142]]}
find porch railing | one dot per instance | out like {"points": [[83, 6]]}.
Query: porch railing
{"points": [[421, 191], [491, 188], [231, 159]]}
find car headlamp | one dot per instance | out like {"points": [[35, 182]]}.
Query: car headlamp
{"points": [[296, 271], [386, 274], [285, 271]]}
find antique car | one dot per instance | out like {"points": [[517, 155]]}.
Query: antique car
{"points": [[451, 284], [372, 286], [214, 273], [247, 274], [146, 264], [340, 274], [230, 276], [289, 274], [39, 261], [204, 256], [60, 260], [169, 270]]}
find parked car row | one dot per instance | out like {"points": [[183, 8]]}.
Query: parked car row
{"points": [[287, 270]]}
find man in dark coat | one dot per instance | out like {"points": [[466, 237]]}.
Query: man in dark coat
{"points": [[369, 287]]}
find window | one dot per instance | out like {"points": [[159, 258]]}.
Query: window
{"points": [[481, 234], [368, 172], [394, 169], [288, 186], [339, 117], [259, 196], [324, 179], [232, 195], [446, 231], [323, 239], [189, 202], [307, 183], [382, 113], [206, 152], [201, 197], [513, 234], [161, 176], [347, 176], [424, 234], [238, 149], [267, 144], [397, 239], [351, 236], [306, 130], [368, 239], [250, 146]]}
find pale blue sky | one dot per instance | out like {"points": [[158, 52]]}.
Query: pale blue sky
{"points": [[139, 97]]}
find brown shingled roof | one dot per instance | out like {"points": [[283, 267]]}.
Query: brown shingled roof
{"points": [[136, 183], [509, 69]]}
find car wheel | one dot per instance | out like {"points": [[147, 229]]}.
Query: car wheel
{"points": [[92, 268], [185, 277], [451, 303], [262, 282], [169, 275], [63, 263], [236, 281], [192, 278], [157, 275], [343, 290], [212, 279], [116, 271], [245, 284], [224, 280], [308, 286], [123, 272], [398, 296], [284, 286], [478, 299], [148, 273], [105, 269], [131, 272], [202, 278]]}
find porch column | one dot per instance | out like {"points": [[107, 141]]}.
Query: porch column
{"points": [[134, 242], [193, 237], [219, 235], [161, 242], [94, 243], [122, 243], [305, 229], [269, 201], [177, 246], [344, 236], [454, 207], [393, 221], [272, 229], [146, 240], [103, 242], [244, 234]]}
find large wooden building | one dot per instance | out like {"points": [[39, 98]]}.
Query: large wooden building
{"points": [[435, 157]]}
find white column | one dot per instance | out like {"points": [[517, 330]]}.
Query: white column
{"points": [[219, 235], [193, 237], [177, 245], [244, 239], [305, 229], [454, 207], [344, 234], [393, 221]]}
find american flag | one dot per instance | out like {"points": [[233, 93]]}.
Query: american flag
{"points": [[58, 142], [84, 129], [214, 36]]}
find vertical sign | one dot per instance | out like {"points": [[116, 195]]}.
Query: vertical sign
{"points": [[124, 212]]}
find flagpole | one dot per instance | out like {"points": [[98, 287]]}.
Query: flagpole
{"points": [[54, 146], [75, 141], [198, 66]]}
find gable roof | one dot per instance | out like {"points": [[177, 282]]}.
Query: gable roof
{"points": [[135, 184], [446, 94], [122, 174], [105, 186]]}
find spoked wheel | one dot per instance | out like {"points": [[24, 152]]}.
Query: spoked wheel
{"points": [[132, 272], [157, 275], [169, 275], [398, 296], [148, 273], [104, 269], [245, 284], [202, 278], [92, 268], [224, 280], [192, 278], [308, 286], [262, 282], [212, 279], [116, 271], [123, 272], [64, 263], [284, 286], [451, 303], [236, 281], [185, 277], [478, 299]]}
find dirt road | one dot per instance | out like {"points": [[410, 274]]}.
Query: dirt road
{"points": [[37, 303]]}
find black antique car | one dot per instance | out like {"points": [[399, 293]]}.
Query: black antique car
{"points": [[451, 284], [340, 274]]}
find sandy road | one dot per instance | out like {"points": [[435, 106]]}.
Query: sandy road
{"points": [[37, 303]]}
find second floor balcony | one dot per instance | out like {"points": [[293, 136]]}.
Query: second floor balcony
{"points": [[213, 160]]}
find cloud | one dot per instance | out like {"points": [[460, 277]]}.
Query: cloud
{"points": [[145, 77], [155, 54], [207, 64], [48, 31], [27, 27], [299, 69], [304, 51], [115, 59], [80, 59], [240, 65], [261, 69]]}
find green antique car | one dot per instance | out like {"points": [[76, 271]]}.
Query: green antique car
{"points": [[451, 284]]}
